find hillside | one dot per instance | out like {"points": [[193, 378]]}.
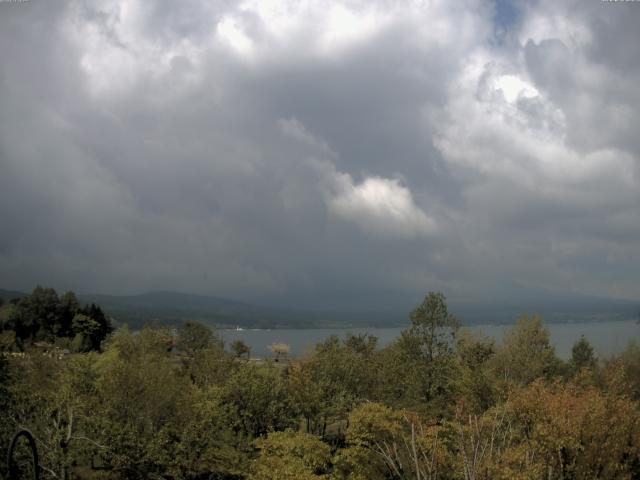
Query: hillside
{"points": [[7, 295], [166, 308], [172, 307]]}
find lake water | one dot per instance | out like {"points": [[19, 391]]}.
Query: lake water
{"points": [[607, 338]]}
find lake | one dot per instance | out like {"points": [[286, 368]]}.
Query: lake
{"points": [[607, 338]]}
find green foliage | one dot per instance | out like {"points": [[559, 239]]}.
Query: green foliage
{"points": [[280, 350], [625, 371], [209, 367], [43, 316], [259, 399], [438, 403], [239, 348], [290, 455], [9, 342], [363, 344], [139, 382], [432, 324], [204, 446], [86, 333], [154, 421], [526, 353], [95, 312], [427, 346], [475, 382], [68, 308], [6, 401], [194, 336], [396, 444], [373, 422], [336, 377], [39, 314], [54, 401], [582, 355], [7, 315], [567, 431], [358, 463]]}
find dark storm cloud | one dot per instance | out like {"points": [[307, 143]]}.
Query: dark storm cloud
{"points": [[315, 153]]}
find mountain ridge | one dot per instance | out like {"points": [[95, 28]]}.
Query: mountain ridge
{"points": [[167, 307]]}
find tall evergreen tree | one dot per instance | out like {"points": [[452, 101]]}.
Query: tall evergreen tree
{"points": [[429, 345]]}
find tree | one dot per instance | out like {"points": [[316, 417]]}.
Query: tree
{"points": [[622, 373], [475, 353], [399, 376], [194, 336], [7, 425], [9, 342], [204, 446], [582, 355], [68, 307], [327, 385], [260, 400], [526, 353], [290, 455], [364, 344], [428, 344], [56, 402], [570, 432], [209, 367], [87, 333], [37, 315], [433, 326], [481, 438], [104, 324], [144, 403], [9, 321], [44, 316], [395, 444], [280, 350], [240, 348]]}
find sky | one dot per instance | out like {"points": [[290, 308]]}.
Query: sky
{"points": [[334, 154]]}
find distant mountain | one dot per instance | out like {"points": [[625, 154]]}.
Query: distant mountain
{"points": [[7, 295], [172, 308], [553, 306]]}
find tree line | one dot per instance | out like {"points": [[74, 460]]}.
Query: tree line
{"points": [[43, 316], [437, 403]]}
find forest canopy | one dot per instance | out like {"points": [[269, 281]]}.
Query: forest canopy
{"points": [[43, 316], [438, 403]]}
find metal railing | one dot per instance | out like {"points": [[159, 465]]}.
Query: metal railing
{"points": [[11, 464]]}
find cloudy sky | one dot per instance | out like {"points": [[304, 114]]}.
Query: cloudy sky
{"points": [[325, 153]]}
